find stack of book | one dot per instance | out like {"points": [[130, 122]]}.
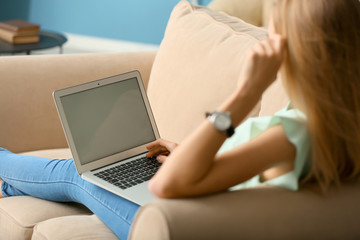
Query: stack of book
{"points": [[19, 32]]}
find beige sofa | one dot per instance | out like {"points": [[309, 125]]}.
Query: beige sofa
{"points": [[195, 69]]}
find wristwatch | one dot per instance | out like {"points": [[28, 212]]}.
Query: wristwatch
{"points": [[222, 122]]}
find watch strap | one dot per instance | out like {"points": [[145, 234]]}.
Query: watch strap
{"points": [[230, 131]]}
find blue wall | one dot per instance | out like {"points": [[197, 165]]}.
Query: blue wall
{"points": [[132, 20]]}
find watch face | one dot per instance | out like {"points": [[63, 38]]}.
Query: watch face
{"points": [[222, 122]]}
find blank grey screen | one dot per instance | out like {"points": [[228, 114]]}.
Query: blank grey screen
{"points": [[107, 120]]}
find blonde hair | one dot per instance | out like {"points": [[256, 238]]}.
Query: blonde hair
{"points": [[321, 73]]}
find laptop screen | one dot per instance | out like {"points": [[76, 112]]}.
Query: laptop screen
{"points": [[107, 120]]}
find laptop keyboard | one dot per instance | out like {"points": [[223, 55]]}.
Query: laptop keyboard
{"points": [[131, 173]]}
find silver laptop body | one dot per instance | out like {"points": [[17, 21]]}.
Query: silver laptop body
{"points": [[107, 124]]}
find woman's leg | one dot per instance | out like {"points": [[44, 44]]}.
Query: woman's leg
{"points": [[57, 180]]}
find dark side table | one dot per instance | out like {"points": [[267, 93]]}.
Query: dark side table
{"points": [[47, 40]]}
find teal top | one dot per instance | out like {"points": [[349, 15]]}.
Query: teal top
{"points": [[294, 124]]}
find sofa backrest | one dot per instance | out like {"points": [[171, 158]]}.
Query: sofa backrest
{"points": [[256, 12], [28, 116]]}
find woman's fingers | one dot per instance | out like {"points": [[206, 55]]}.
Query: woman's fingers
{"points": [[262, 64], [161, 158], [278, 44], [160, 147], [161, 143], [157, 151], [268, 48], [272, 47]]}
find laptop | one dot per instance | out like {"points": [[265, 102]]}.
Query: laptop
{"points": [[107, 124]]}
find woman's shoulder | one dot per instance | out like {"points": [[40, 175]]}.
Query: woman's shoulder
{"points": [[292, 120], [291, 113]]}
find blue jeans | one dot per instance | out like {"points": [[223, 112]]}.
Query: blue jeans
{"points": [[57, 180]]}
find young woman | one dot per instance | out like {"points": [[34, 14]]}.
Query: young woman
{"points": [[316, 47]]}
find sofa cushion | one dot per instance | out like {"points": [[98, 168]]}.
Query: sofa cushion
{"points": [[197, 67], [18, 215], [73, 227]]}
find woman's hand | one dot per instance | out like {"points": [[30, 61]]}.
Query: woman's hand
{"points": [[258, 71], [160, 149], [262, 64]]}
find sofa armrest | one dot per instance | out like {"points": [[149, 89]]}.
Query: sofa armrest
{"points": [[258, 213], [29, 118]]}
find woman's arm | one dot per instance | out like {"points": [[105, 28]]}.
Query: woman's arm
{"points": [[195, 169], [268, 150]]}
